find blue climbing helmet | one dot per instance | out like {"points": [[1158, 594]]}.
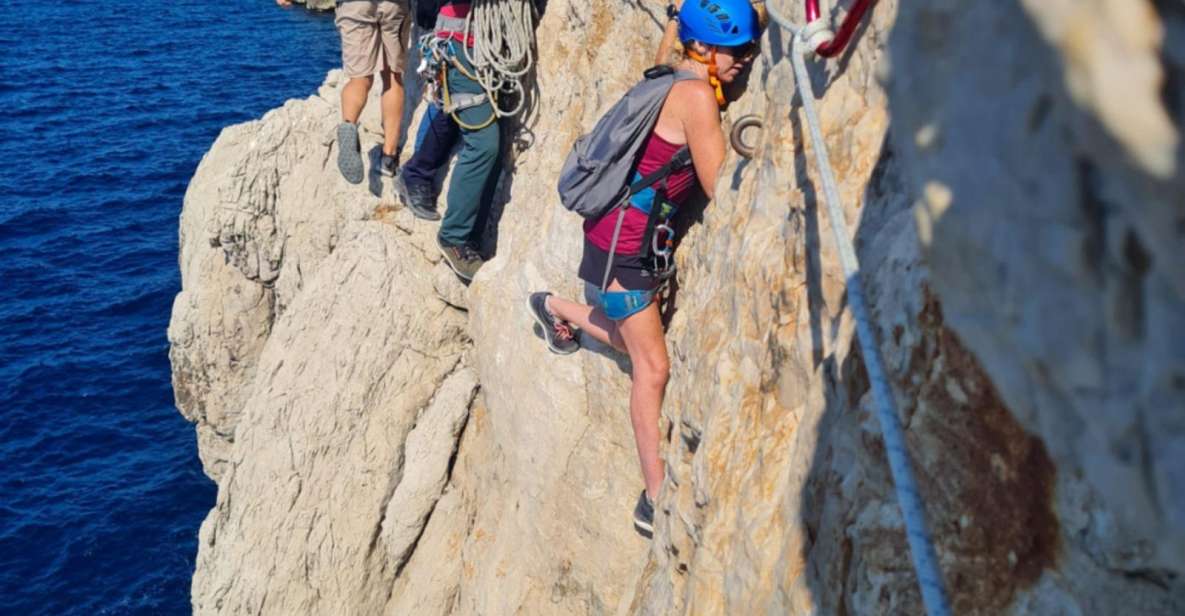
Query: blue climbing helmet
{"points": [[718, 22]]}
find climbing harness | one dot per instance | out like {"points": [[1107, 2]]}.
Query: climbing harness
{"points": [[658, 239], [713, 80], [502, 36], [452, 105], [921, 546], [736, 135], [662, 248], [437, 55]]}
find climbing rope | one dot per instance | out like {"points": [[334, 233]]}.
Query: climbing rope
{"points": [[921, 546], [503, 34]]}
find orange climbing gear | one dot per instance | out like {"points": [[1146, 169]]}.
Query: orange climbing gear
{"points": [[710, 61]]}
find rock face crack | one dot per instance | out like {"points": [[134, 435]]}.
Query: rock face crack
{"points": [[427, 451]]}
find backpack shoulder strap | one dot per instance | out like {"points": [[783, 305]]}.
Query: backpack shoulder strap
{"points": [[681, 159], [658, 70]]}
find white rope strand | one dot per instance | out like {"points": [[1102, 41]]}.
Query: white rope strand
{"points": [[503, 33], [921, 546]]}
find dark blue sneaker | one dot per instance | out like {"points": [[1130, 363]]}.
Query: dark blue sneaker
{"points": [[644, 516], [388, 165], [421, 200]]}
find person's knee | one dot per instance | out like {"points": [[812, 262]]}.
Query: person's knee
{"points": [[653, 370], [392, 78]]}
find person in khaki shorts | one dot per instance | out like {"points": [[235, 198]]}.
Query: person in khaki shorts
{"points": [[374, 36]]}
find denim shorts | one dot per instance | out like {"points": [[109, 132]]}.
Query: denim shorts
{"points": [[618, 305]]}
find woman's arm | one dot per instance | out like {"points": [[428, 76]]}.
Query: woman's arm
{"points": [[701, 126], [663, 55]]}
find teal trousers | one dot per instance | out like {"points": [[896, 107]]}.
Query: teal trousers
{"points": [[475, 174]]}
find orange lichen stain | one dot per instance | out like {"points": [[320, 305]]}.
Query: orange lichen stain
{"points": [[988, 485], [385, 212]]}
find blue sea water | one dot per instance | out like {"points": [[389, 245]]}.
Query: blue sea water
{"points": [[105, 110]]}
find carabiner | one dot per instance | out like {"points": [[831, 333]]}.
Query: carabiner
{"points": [[667, 245]]}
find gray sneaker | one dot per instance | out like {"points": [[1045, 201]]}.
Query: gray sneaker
{"points": [[420, 200], [462, 259], [537, 304], [349, 152], [644, 516]]}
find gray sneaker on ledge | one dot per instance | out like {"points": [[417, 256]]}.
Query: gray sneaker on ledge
{"points": [[644, 516], [419, 199], [349, 152], [537, 304], [463, 260]]}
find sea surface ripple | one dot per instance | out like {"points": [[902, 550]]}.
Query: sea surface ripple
{"points": [[108, 108]]}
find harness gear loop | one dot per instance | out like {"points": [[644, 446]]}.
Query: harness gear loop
{"points": [[681, 159], [437, 55], [452, 108], [713, 80], [461, 102]]}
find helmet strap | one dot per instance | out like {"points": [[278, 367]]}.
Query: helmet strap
{"points": [[713, 80]]}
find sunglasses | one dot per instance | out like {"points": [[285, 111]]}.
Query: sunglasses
{"points": [[747, 50]]}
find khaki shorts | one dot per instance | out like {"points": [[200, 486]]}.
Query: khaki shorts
{"points": [[372, 29]]}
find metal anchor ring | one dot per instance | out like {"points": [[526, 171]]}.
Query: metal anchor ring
{"points": [[738, 129]]}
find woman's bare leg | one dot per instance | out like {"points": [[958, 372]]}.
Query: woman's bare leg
{"points": [[589, 319], [643, 336]]}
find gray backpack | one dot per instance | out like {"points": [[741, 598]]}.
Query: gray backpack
{"points": [[595, 174]]}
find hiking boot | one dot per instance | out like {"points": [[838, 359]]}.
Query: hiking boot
{"points": [[537, 304], [349, 152], [644, 516], [388, 165], [419, 199], [463, 259]]}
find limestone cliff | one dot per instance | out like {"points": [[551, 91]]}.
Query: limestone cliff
{"points": [[388, 441]]}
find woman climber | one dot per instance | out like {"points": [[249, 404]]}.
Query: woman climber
{"points": [[719, 40]]}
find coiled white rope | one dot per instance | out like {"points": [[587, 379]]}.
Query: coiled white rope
{"points": [[503, 34], [921, 545]]}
